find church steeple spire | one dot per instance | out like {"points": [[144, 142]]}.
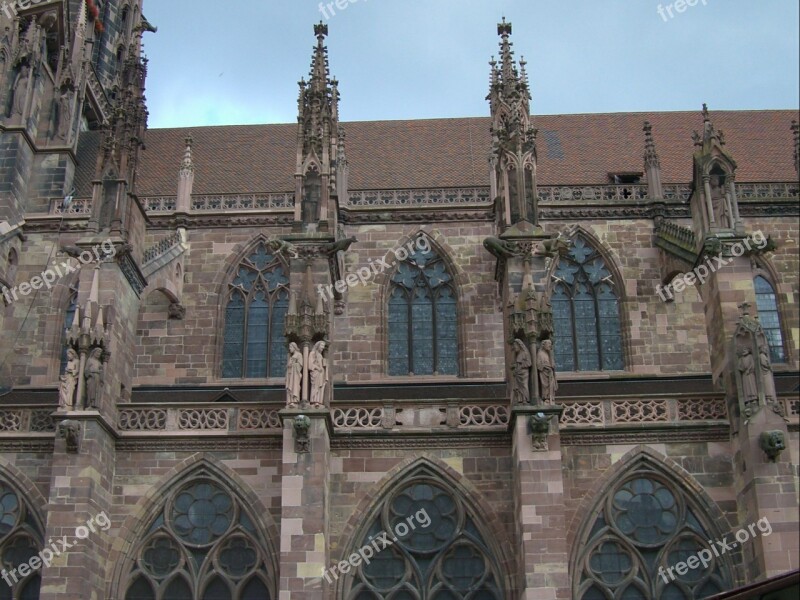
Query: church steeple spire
{"points": [[317, 143], [514, 138]]}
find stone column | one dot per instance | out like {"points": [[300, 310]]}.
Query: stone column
{"points": [[305, 503], [538, 488]]}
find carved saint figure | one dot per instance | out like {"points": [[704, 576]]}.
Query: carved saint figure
{"points": [[69, 380], [94, 377], [521, 369], [719, 202], [547, 373], [64, 114], [318, 371], [21, 90], [767, 381], [294, 376], [746, 366]]}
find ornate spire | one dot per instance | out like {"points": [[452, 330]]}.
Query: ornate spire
{"points": [[796, 132], [514, 137], [318, 126], [187, 165], [652, 165]]}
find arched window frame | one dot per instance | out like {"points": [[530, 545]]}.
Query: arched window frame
{"points": [[449, 283], [188, 579], [611, 281], [472, 525], [763, 270], [276, 296], [21, 537], [705, 523]]}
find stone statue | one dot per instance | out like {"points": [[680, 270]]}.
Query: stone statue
{"points": [[294, 376], [318, 371], [746, 366], [64, 114], [719, 202], [547, 373], [93, 375], [521, 368], [21, 90], [767, 382], [69, 381]]}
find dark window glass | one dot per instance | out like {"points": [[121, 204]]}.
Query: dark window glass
{"points": [[643, 527], [31, 589], [768, 316], [439, 552], [217, 590], [20, 541], [254, 345], [178, 589], [586, 313], [422, 318]]}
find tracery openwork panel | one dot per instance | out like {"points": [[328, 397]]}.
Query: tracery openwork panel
{"points": [[21, 538], [203, 544], [586, 312], [644, 526], [258, 300], [446, 560], [422, 321]]}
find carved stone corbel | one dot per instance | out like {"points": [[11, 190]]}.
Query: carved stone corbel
{"points": [[70, 432], [772, 443], [302, 443], [540, 427]]}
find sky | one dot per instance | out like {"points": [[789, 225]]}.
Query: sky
{"points": [[238, 61]]}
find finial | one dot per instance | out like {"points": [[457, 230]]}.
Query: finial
{"points": [[796, 132], [504, 28], [321, 30], [705, 112], [650, 155]]}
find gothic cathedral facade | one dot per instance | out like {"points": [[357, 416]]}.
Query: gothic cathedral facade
{"points": [[502, 357]]}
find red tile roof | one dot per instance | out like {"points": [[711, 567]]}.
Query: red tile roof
{"points": [[572, 150]]}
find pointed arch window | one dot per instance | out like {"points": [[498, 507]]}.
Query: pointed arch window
{"points": [[643, 527], [203, 544], [258, 300], [586, 312], [422, 317], [768, 316], [443, 556], [21, 538]]}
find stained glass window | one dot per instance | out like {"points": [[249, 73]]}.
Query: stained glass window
{"points": [[586, 312], [21, 538], [767, 306], [422, 322], [201, 546], [644, 527], [258, 300], [439, 552]]}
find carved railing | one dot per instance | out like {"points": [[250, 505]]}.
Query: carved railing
{"points": [[27, 419], [78, 206], [398, 417], [677, 192], [624, 411], [748, 191], [159, 248], [593, 193], [210, 418], [419, 198], [157, 204], [242, 202]]}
